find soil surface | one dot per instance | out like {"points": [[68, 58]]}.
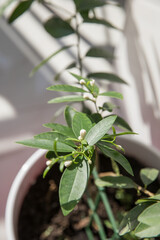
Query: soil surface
{"points": [[41, 218]]}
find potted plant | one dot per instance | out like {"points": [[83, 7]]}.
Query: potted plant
{"points": [[75, 147]]}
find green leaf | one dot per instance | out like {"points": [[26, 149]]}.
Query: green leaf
{"points": [[148, 175], [108, 106], [99, 130], [70, 98], [145, 231], [121, 123], [99, 52], [115, 155], [81, 121], [46, 144], [53, 136], [116, 182], [130, 222], [151, 215], [69, 114], [88, 4], [64, 130], [112, 94], [100, 21], [106, 76], [19, 10], [48, 58], [65, 88], [96, 117], [58, 28], [154, 198], [72, 185]]}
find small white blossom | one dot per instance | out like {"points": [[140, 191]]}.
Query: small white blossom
{"points": [[48, 162], [92, 83], [93, 99], [82, 82], [80, 138], [89, 161], [82, 133], [119, 147], [67, 163], [85, 97]]}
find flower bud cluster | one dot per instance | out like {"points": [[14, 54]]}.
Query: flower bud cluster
{"points": [[82, 134]]}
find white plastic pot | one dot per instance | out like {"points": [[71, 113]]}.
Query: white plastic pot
{"points": [[24, 179], [36, 163]]}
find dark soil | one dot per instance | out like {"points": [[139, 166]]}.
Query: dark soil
{"points": [[41, 218]]}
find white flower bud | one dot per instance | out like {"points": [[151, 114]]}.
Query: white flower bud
{"points": [[89, 161], [92, 83], [82, 82], [82, 133], [67, 163], [94, 99], [119, 147], [85, 97], [48, 162], [80, 138]]}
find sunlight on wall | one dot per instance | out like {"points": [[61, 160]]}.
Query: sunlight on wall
{"points": [[7, 111]]}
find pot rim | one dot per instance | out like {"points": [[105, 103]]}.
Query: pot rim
{"points": [[12, 196]]}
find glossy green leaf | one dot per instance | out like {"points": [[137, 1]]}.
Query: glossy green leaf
{"points": [[53, 136], [99, 52], [115, 155], [154, 198], [72, 185], [19, 10], [69, 114], [112, 94], [116, 182], [106, 76], [100, 21], [130, 222], [148, 175], [121, 123], [70, 98], [58, 28], [96, 117], [46, 144], [151, 215], [108, 106], [99, 130], [146, 231], [65, 88], [64, 130], [47, 59], [88, 4], [81, 121]]}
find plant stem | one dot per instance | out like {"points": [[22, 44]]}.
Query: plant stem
{"points": [[97, 219], [145, 191], [78, 46], [107, 205]]}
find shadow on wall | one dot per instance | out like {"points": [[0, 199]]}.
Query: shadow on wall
{"points": [[144, 63]]}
